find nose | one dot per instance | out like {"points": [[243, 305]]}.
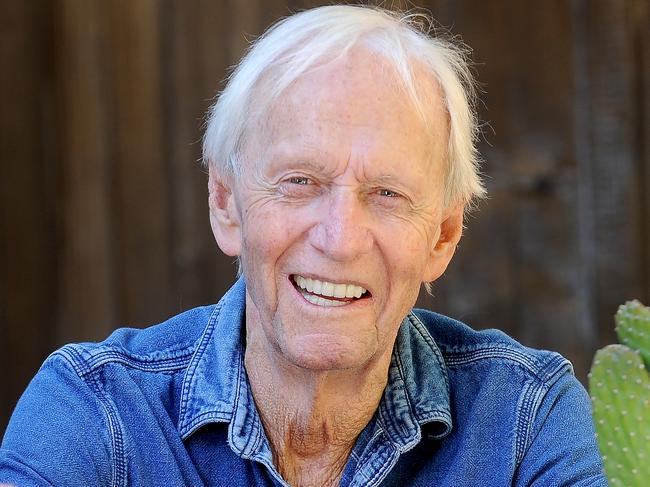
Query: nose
{"points": [[342, 231]]}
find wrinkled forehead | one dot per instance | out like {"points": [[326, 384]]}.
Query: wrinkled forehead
{"points": [[363, 80]]}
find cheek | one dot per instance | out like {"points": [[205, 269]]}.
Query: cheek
{"points": [[407, 259], [268, 236], [261, 242]]}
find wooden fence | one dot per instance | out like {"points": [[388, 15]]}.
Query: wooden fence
{"points": [[103, 214]]}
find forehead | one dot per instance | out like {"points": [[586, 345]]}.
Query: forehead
{"points": [[356, 102]]}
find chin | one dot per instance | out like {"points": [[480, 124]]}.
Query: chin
{"points": [[324, 355]]}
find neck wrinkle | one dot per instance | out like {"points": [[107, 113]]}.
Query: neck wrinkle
{"points": [[312, 419]]}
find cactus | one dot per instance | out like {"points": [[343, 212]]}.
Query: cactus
{"points": [[620, 391], [633, 328]]}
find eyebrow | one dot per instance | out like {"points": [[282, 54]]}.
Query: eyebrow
{"points": [[385, 179], [310, 158], [303, 159]]}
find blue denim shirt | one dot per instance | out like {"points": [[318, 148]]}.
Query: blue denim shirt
{"points": [[171, 405]]}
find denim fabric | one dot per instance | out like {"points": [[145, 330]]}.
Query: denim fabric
{"points": [[171, 405]]}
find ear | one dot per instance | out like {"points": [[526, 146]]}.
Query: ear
{"points": [[224, 217], [443, 247]]}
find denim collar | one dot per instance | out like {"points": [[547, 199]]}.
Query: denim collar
{"points": [[216, 389]]}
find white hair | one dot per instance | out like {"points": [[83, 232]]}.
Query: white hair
{"points": [[302, 41]]}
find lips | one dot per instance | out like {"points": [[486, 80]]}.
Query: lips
{"points": [[325, 293]]}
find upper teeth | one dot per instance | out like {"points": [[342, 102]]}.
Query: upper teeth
{"points": [[325, 288]]}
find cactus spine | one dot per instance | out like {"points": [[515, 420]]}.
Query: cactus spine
{"points": [[619, 384]]}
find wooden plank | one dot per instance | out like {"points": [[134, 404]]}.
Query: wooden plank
{"points": [[639, 27], [244, 26], [615, 161], [213, 21], [643, 26], [250, 20], [181, 107], [140, 177], [584, 268], [28, 192], [194, 66], [87, 307]]}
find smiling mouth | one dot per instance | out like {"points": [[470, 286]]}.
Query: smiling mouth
{"points": [[324, 293]]}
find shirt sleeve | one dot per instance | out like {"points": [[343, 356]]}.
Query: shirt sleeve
{"points": [[562, 446], [58, 433]]}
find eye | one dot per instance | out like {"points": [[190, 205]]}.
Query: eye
{"points": [[301, 180], [388, 193], [299, 186]]}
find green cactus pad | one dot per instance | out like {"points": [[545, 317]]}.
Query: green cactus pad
{"points": [[620, 393], [633, 328]]}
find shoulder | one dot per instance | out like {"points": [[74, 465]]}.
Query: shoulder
{"points": [[161, 347], [524, 405], [102, 391], [490, 350]]}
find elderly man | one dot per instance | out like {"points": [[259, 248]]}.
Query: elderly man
{"points": [[342, 160]]}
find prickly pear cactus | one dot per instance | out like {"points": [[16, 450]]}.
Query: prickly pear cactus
{"points": [[633, 328], [620, 390]]}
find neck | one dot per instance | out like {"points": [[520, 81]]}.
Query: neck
{"points": [[312, 418]]}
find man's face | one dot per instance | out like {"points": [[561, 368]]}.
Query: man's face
{"points": [[340, 207]]}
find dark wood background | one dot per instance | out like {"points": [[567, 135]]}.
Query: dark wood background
{"points": [[103, 214]]}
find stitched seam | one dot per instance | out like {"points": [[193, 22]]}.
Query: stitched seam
{"points": [[493, 352], [72, 357], [433, 415], [221, 416], [400, 367], [118, 466], [235, 408], [194, 360], [84, 367], [253, 437], [165, 365], [367, 454], [381, 472], [544, 372], [258, 437], [531, 398], [426, 336]]}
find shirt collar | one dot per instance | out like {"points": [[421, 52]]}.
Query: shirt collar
{"points": [[215, 375], [215, 387], [417, 394]]}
